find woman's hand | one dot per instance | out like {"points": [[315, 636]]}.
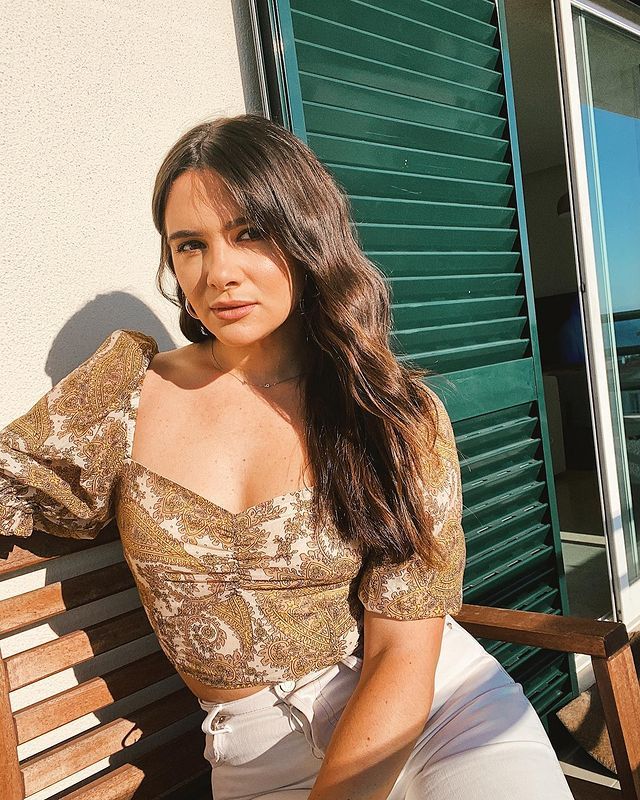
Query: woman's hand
{"points": [[387, 711]]}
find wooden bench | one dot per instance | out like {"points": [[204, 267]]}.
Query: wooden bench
{"points": [[139, 767], [152, 749]]}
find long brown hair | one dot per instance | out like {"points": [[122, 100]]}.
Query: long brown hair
{"points": [[370, 421]]}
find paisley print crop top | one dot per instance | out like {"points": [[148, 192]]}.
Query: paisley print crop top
{"points": [[235, 599]]}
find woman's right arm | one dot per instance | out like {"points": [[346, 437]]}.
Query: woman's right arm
{"points": [[59, 461]]}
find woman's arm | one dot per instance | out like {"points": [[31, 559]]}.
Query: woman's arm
{"points": [[59, 461], [386, 713], [404, 609]]}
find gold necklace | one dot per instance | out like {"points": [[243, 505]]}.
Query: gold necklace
{"points": [[263, 385]]}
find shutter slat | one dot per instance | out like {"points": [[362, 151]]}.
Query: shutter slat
{"points": [[427, 213], [401, 264], [314, 30], [351, 152], [436, 338], [344, 93], [381, 183], [502, 505], [489, 534], [480, 9], [433, 289], [401, 30], [530, 563], [505, 482], [453, 21], [415, 237], [375, 126], [480, 444], [454, 358], [480, 390], [449, 312], [510, 553], [327, 62]]}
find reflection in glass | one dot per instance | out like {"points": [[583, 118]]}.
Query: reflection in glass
{"points": [[609, 77]]}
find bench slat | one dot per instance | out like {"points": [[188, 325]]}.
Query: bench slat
{"points": [[70, 757], [596, 638], [167, 767], [75, 647], [588, 790], [41, 604], [90, 696], [10, 775], [43, 547]]}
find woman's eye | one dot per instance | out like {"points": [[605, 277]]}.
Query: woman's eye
{"points": [[185, 246], [193, 244], [254, 233]]}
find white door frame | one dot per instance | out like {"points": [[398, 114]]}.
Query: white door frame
{"points": [[626, 596]]}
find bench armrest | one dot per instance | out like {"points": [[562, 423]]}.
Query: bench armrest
{"points": [[553, 632], [607, 643]]}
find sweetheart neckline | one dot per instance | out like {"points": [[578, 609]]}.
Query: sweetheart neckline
{"points": [[129, 460], [231, 514]]}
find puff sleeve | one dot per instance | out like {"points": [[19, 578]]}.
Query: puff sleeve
{"points": [[59, 461], [409, 590]]}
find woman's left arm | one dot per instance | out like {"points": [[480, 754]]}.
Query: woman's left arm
{"points": [[387, 711], [404, 612]]}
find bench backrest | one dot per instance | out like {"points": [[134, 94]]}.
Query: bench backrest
{"points": [[89, 705]]}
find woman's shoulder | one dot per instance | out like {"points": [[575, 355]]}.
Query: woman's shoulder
{"points": [[121, 357], [128, 341], [104, 382]]}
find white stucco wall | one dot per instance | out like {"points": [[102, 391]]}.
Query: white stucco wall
{"points": [[93, 96]]}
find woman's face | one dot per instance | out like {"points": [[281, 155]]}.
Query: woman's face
{"points": [[219, 258]]}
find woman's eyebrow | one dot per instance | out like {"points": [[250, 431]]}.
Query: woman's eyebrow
{"points": [[185, 234]]}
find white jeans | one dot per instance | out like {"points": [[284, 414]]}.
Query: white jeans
{"points": [[482, 740]]}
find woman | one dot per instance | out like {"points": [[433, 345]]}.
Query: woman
{"points": [[288, 495]]}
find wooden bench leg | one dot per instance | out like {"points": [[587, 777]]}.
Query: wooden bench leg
{"points": [[10, 775], [619, 689]]}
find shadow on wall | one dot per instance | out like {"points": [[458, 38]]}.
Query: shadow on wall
{"points": [[84, 331]]}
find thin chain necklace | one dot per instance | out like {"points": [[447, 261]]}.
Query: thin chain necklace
{"points": [[263, 385]]}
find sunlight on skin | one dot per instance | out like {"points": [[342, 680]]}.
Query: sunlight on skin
{"points": [[387, 711], [235, 263]]}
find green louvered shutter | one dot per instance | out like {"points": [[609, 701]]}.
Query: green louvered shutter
{"points": [[409, 104]]}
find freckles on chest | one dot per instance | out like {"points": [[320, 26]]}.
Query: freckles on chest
{"points": [[243, 450]]}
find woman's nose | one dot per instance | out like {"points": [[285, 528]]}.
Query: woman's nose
{"points": [[221, 265]]}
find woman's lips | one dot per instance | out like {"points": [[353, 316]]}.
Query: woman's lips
{"points": [[234, 313]]}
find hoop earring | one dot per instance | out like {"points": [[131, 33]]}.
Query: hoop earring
{"points": [[189, 309]]}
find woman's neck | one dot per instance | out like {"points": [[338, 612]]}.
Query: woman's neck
{"points": [[280, 356]]}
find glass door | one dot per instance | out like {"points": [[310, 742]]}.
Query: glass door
{"points": [[599, 68]]}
